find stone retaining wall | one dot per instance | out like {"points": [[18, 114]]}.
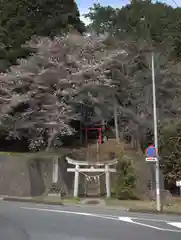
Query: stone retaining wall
{"points": [[30, 177]]}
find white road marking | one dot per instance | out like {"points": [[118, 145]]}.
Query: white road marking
{"points": [[71, 212], [123, 219], [58, 211], [175, 224], [145, 219], [158, 220], [130, 220], [150, 226], [170, 222], [126, 219]]}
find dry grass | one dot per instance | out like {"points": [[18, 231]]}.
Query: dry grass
{"points": [[54, 200], [70, 200], [103, 153], [130, 203], [138, 205], [43, 200]]}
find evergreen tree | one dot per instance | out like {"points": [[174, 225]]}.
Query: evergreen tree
{"points": [[21, 19], [170, 150], [156, 22], [126, 179]]}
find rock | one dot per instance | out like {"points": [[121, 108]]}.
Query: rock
{"points": [[165, 195]]}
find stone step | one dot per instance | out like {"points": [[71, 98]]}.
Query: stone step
{"points": [[93, 189], [94, 186]]}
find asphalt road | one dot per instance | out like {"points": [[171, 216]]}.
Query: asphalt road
{"points": [[22, 221]]}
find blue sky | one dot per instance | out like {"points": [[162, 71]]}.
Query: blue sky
{"points": [[84, 5]]}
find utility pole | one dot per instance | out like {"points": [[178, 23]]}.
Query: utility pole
{"points": [[157, 168]]}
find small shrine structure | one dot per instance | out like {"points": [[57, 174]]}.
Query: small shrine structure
{"points": [[92, 169], [98, 168]]}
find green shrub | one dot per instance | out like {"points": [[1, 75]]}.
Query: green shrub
{"points": [[170, 150], [126, 179]]}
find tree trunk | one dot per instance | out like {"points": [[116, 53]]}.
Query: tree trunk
{"points": [[63, 179], [138, 147], [132, 141], [50, 140], [116, 122]]}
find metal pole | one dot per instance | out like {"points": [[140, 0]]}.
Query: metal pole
{"points": [[157, 169]]}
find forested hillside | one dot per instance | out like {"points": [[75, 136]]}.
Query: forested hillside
{"points": [[154, 27], [54, 74]]}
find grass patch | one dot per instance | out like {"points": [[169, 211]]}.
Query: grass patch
{"points": [[130, 203], [28, 155], [71, 200], [54, 200], [48, 199], [43, 200]]}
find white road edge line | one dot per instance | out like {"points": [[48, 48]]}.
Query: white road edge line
{"points": [[145, 219], [151, 219], [70, 212], [124, 219]]}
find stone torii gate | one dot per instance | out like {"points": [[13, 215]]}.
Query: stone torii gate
{"points": [[103, 167]]}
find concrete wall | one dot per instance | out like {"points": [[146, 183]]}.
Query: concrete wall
{"points": [[14, 177]]}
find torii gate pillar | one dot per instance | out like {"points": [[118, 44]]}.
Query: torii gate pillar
{"points": [[103, 167], [108, 187], [76, 181]]}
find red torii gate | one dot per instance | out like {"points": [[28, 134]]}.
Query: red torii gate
{"points": [[99, 129]]}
